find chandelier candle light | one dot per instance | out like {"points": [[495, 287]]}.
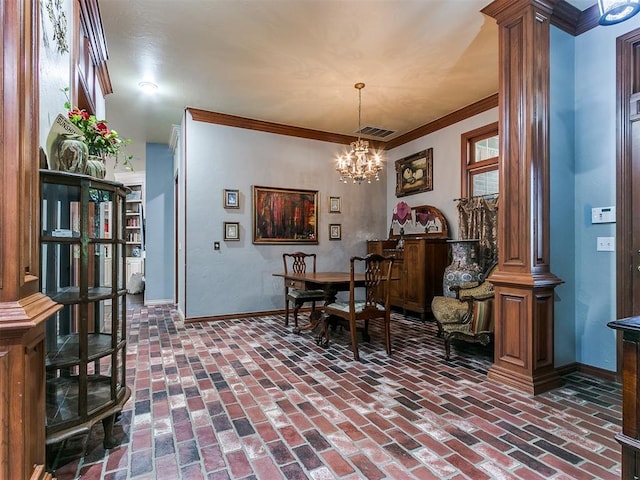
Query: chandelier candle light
{"points": [[358, 164]]}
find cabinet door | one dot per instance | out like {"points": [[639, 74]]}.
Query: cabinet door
{"points": [[134, 265], [396, 287], [414, 275]]}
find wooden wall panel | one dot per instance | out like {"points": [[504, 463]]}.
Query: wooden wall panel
{"points": [[512, 309]]}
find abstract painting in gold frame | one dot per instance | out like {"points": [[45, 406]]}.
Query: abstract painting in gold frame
{"points": [[285, 216]]}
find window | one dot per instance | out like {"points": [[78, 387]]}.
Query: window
{"points": [[480, 150]]}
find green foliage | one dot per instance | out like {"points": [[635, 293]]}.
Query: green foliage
{"points": [[101, 141]]}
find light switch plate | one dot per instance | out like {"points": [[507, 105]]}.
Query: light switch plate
{"points": [[606, 244]]}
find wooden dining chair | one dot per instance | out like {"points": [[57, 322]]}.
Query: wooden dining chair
{"points": [[299, 262], [372, 303]]}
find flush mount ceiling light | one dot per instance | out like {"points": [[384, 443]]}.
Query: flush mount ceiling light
{"points": [[148, 87], [616, 11], [358, 164]]}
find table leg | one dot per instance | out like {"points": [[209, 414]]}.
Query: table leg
{"points": [[330, 293], [314, 321]]}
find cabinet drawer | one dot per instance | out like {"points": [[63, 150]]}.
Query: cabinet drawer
{"points": [[397, 254], [297, 284]]}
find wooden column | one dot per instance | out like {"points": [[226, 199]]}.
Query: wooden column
{"points": [[523, 282], [23, 309]]}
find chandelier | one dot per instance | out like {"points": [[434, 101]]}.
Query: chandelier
{"points": [[358, 164]]}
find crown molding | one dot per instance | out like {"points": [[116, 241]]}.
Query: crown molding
{"points": [[269, 127], [446, 121], [279, 129]]}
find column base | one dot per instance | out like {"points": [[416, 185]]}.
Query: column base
{"points": [[538, 382]]}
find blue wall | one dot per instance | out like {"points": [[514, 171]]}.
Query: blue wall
{"points": [[159, 237], [562, 191], [595, 186]]}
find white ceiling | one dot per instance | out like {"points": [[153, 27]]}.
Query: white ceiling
{"points": [[295, 62]]}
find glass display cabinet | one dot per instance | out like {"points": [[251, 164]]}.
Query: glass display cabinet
{"points": [[82, 267]]}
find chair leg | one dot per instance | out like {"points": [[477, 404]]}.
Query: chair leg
{"points": [[365, 332], [387, 334], [286, 312], [323, 338], [447, 347], [354, 338], [295, 314]]}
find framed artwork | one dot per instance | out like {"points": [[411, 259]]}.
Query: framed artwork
{"points": [[285, 215], [414, 174], [231, 231], [334, 204], [231, 198], [335, 231]]}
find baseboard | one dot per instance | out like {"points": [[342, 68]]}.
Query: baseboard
{"points": [[233, 316], [166, 301], [596, 372]]}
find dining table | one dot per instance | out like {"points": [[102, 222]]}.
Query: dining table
{"points": [[329, 282]]}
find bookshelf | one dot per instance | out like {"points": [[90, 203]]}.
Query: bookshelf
{"points": [[134, 222], [82, 264]]}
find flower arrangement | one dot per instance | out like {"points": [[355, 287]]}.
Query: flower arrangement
{"points": [[101, 141]]}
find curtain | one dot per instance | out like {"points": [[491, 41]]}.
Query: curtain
{"points": [[478, 219]]}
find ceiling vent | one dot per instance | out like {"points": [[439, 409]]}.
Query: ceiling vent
{"points": [[375, 132]]}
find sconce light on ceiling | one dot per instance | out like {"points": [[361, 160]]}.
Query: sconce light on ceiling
{"points": [[148, 87], [616, 11]]}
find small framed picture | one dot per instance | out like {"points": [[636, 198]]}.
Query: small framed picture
{"points": [[231, 231], [231, 198], [334, 204], [335, 231]]}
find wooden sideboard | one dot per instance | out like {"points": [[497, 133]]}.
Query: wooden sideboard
{"points": [[629, 438], [420, 267]]}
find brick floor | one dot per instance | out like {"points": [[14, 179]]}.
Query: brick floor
{"points": [[248, 399]]}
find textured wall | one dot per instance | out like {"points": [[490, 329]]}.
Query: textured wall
{"points": [[446, 168], [238, 278], [159, 228], [595, 184], [562, 197]]}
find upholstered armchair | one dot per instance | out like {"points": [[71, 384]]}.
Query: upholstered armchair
{"points": [[468, 316]]}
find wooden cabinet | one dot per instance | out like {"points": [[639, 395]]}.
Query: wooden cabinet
{"points": [[629, 438], [82, 268], [419, 266]]}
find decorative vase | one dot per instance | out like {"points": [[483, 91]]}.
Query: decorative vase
{"points": [[69, 154], [464, 267], [95, 167]]}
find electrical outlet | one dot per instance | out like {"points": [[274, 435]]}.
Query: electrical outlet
{"points": [[216, 245], [606, 244]]}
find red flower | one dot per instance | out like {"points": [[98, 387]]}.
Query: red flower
{"points": [[102, 128]]}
